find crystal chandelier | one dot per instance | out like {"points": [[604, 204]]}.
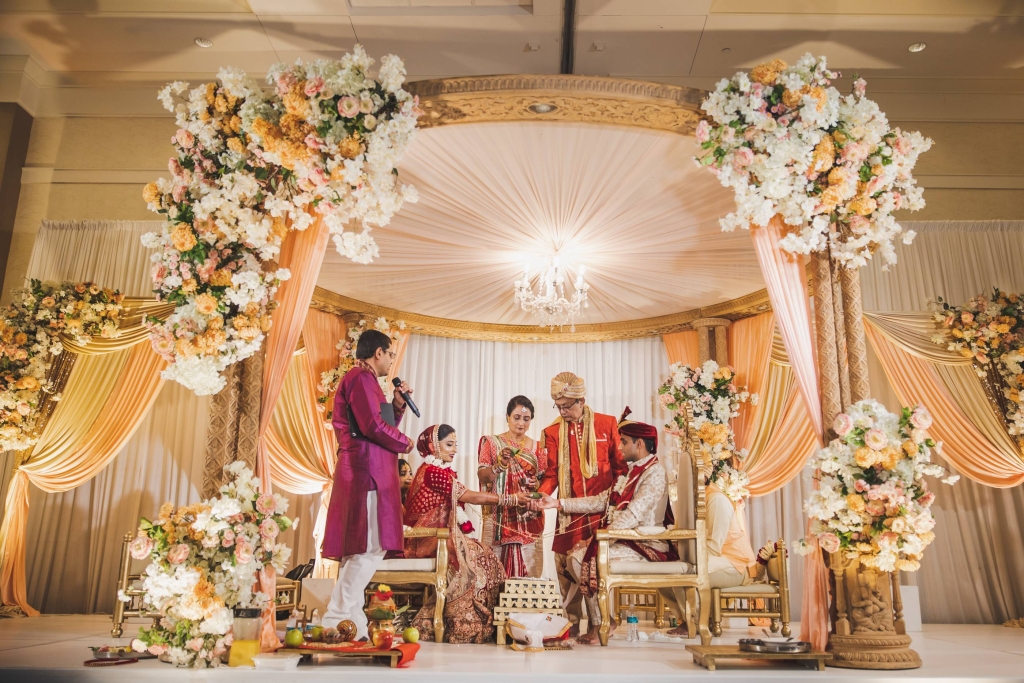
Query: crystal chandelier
{"points": [[550, 305]]}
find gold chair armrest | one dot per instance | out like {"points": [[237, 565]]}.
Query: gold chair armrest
{"points": [[634, 535], [426, 532]]}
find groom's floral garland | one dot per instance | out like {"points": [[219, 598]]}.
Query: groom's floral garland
{"points": [[330, 379], [205, 559], [990, 331], [251, 166], [30, 329], [873, 502], [714, 399], [788, 143]]}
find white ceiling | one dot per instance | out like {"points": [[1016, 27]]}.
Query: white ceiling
{"points": [[627, 203]]}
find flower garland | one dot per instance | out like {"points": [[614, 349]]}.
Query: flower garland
{"points": [[788, 143], [251, 166], [714, 399], [205, 561], [30, 329], [873, 502], [990, 331], [330, 379]]}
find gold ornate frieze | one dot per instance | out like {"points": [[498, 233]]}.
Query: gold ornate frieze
{"points": [[566, 98], [743, 307]]}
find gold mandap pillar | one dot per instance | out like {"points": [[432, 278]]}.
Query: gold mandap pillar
{"points": [[712, 339]]}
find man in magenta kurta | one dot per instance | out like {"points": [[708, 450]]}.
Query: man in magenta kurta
{"points": [[364, 519]]}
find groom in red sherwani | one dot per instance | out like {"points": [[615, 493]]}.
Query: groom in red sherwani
{"points": [[364, 519]]}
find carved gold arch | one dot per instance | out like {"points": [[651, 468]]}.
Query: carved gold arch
{"points": [[743, 307], [576, 99]]}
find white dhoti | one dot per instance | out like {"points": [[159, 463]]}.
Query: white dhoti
{"points": [[354, 574]]}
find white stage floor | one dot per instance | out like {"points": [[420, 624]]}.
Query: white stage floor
{"points": [[52, 648]]}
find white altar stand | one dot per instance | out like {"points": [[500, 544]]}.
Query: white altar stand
{"points": [[52, 649]]}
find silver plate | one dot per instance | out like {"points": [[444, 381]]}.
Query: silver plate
{"points": [[752, 645], [795, 647]]}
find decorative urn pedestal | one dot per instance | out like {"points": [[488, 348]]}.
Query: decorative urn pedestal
{"points": [[868, 630]]}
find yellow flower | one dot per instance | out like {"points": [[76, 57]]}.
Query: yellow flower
{"points": [[236, 145], [221, 278], [855, 502], [206, 303], [150, 193], [350, 147], [188, 286], [863, 206], [824, 155], [27, 383], [183, 237], [865, 457], [767, 74]]}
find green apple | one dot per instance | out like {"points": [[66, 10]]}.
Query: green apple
{"points": [[316, 634], [293, 638], [411, 635]]}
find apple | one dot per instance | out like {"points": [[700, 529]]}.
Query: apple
{"points": [[293, 638], [316, 634], [411, 635]]}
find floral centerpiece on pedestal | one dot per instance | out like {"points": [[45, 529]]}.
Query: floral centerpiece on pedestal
{"points": [[330, 379], [990, 331], [873, 503], [249, 167], [30, 329], [714, 399], [205, 562], [788, 143]]}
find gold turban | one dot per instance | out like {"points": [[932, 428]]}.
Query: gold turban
{"points": [[568, 385]]}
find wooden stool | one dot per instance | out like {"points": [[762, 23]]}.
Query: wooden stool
{"points": [[706, 655]]}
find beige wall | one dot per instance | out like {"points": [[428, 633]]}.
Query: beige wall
{"points": [[95, 167]]}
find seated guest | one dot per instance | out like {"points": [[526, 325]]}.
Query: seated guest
{"points": [[404, 477], [631, 503], [436, 500], [731, 560]]}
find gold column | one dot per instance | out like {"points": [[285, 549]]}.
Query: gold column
{"points": [[828, 361], [706, 327], [722, 344], [856, 348]]}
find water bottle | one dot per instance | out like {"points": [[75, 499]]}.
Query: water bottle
{"points": [[632, 627]]}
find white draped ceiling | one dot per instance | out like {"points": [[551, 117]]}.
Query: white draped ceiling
{"points": [[625, 202]]}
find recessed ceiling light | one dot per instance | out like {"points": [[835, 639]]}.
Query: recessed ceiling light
{"points": [[917, 47], [542, 108], [204, 42], [726, 50]]}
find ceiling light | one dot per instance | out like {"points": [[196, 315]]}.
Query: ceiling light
{"points": [[549, 304], [204, 42], [917, 47], [542, 108]]}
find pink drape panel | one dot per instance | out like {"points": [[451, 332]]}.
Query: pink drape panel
{"points": [[682, 347], [915, 381], [302, 253], [790, 446], [750, 348], [786, 280]]}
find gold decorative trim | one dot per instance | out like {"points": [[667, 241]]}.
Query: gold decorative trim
{"points": [[565, 98], [743, 307]]}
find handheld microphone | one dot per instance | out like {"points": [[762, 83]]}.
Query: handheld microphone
{"points": [[406, 397]]}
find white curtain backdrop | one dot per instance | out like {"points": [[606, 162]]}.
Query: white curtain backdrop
{"points": [[972, 572]]}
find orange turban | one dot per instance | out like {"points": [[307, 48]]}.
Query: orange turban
{"points": [[568, 385]]}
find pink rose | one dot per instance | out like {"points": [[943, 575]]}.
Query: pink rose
{"points": [[313, 142], [859, 224], [921, 418], [860, 86], [967, 317], [348, 106], [875, 439], [157, 650], [195, 644], [285, 81], [743, 156], [23, 407], [366, 105], [313, 86], [269, 529], [178, 554], [703, 132], [860, 486], [184, 138], [927, 499], [842, 424], [266, 504], [665, 399], [874, 493], [179, 192], [141, 547], [174, 167], [829, 542], [228, 538], [243, 552], [875, 508]]}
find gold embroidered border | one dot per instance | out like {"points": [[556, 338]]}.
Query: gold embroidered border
{"points": [[743, 307]]}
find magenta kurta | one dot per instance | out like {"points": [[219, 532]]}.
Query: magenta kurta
{"points": [[367, 463]]}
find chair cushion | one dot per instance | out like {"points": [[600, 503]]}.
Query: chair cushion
{"points": [[401, 564], [752, 589], [659, 568]]}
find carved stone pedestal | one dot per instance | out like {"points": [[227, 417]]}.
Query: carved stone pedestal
{"points": [[868, 631]]}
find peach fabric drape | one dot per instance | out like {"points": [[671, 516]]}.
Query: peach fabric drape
{"points": [[83, 435], [682, 347], [750, 348], [967, 447], [789, 447]]}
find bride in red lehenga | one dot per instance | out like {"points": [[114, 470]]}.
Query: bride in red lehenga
{"points": [[436, 500]]}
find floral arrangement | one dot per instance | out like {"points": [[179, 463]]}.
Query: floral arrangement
{"points": [[205, 563], [873, 503], [990, 331], [714, 399], [788, 143], [243, 176], [330, 379], [30, 329]]}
